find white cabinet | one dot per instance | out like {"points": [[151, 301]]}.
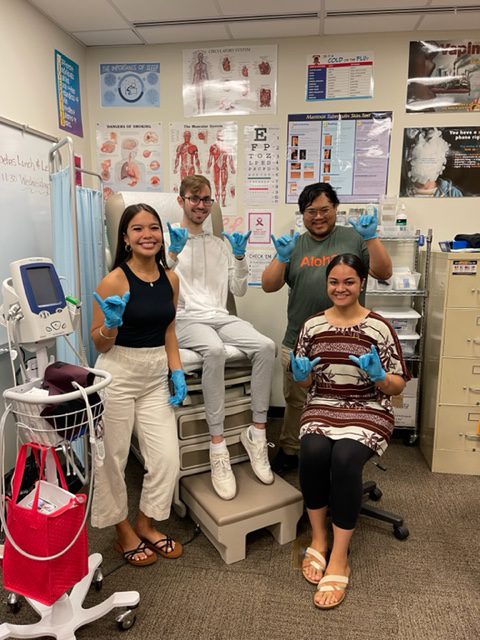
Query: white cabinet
{"points": [[450, 433]]}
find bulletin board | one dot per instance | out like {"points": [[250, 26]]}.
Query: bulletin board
{"points": [[26, 228]]}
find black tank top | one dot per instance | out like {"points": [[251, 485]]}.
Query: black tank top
{"points": [[148, 312]]}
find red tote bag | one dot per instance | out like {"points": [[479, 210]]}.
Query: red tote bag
{"points": [[44, 524]]}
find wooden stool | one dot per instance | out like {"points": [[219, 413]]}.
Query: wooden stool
{"points": [[276, 507]]}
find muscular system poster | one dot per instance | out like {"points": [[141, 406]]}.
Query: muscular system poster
{"points": [[209, 150]]}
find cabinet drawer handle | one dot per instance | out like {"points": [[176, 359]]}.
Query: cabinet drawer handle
{"points": [[474, 340], [472, 436], [474, 389]]}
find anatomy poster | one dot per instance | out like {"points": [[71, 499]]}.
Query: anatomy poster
{"points": [[262, 164], [349, 150], [129, 157], [210, 150], [130, 85], [230, 80], [444, 75], [441, 162], [338, 76]]}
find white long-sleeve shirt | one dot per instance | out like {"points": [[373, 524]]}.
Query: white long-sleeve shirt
{"points": [[207, 270]]}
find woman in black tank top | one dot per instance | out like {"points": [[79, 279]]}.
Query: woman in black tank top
{"points": [[133, 328]]}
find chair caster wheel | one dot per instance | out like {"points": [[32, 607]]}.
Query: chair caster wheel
{"points": [[401, 533], [126, 620], [98, 580], [13, 603], [375, 494]]}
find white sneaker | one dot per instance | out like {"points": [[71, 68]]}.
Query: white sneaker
{"points": [[258, 453], [223, 480]]}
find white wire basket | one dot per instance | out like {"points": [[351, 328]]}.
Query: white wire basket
{"points": [[52, 420]]}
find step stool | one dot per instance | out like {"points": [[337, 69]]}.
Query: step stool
{"points": [[276, 507]]}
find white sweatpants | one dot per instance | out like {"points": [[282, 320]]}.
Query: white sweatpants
{"points": [[208, 338], [136, 400]]}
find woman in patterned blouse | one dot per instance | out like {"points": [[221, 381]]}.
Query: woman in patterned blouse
{"points": [[351, 360]]}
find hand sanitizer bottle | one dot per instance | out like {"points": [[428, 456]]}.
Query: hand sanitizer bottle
{"points": [[401, 217]]}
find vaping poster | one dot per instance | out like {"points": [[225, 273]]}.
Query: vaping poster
{"points": [[349, 150], [209, 150], [441, 162], [262, 164], [444, 75], [230, 80], [339, 76], [67, 78], [130, 85], [129, 157]]}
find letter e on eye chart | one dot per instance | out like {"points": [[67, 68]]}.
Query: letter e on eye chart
{"points": [[260, 224]]}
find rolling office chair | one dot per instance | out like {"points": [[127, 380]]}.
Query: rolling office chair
{"points": [[372, 492]]}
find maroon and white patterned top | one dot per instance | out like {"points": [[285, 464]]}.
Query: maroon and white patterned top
{"points": [[343, 402]]}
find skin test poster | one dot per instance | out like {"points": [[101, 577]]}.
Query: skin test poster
{"points": [[349, 150]]}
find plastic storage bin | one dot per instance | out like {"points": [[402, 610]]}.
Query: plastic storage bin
{"points": [[408, 344], [406, 281], [403, 320]]}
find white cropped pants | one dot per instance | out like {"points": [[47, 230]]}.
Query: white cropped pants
{"points": [[136, 401]]}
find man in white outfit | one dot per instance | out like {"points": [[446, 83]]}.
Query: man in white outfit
{"points": [[208, 269]]}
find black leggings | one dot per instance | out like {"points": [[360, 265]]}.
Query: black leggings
{"points": [[331, 474]]}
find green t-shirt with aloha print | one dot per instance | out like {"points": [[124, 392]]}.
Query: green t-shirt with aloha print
{"points": [[305, 275]]}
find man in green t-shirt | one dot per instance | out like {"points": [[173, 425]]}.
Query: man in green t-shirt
{"points": [[300, 262]]}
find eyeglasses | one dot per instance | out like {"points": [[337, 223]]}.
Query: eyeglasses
{"points": [[324, 212], [195, 200]]}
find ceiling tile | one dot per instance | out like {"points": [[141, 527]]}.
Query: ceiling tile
{"points": [[100, 38], [353, 5], [190, 33], [87, 15], [153, 10], [275, 28], [266, 7], [450, 21], [379, 24]]}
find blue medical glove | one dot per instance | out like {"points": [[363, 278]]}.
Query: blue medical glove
{"points": [[113, 308], [301, 366], [238, 242], [285, 245], [180, 387], [178, 238], [366, 225], [370, 363]]}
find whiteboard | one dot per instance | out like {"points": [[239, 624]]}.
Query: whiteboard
{"points": [[26, 228]]}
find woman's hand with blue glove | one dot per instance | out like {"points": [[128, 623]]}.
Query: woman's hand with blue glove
{"points": [[180, 387], [366, 225], [113, 308], [238, 242], [370, 363], [302, 366], [284, 246], [178, 238]]}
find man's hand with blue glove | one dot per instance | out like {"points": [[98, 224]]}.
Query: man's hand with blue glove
{"points": [[178, 238], [370, 363], [113, 308], [284, 246], [180, 387], [238, 242], [366, 225], [302, 366]]}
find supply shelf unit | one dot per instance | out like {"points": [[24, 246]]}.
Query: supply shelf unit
{"points": [[412, 251]]}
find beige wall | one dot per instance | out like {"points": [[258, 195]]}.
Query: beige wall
{"points": [[27, 95], [27, 89]]}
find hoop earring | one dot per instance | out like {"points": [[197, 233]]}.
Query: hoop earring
{"points": [[128, 248]]}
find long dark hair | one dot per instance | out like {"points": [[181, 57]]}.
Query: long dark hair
{"points": [[130, 212], [312, 191], [350, 260]]}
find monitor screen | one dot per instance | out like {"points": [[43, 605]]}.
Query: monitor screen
{"points": [[43, 285]]}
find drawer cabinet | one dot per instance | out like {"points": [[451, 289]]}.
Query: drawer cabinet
{"points": [[450, 414]]}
